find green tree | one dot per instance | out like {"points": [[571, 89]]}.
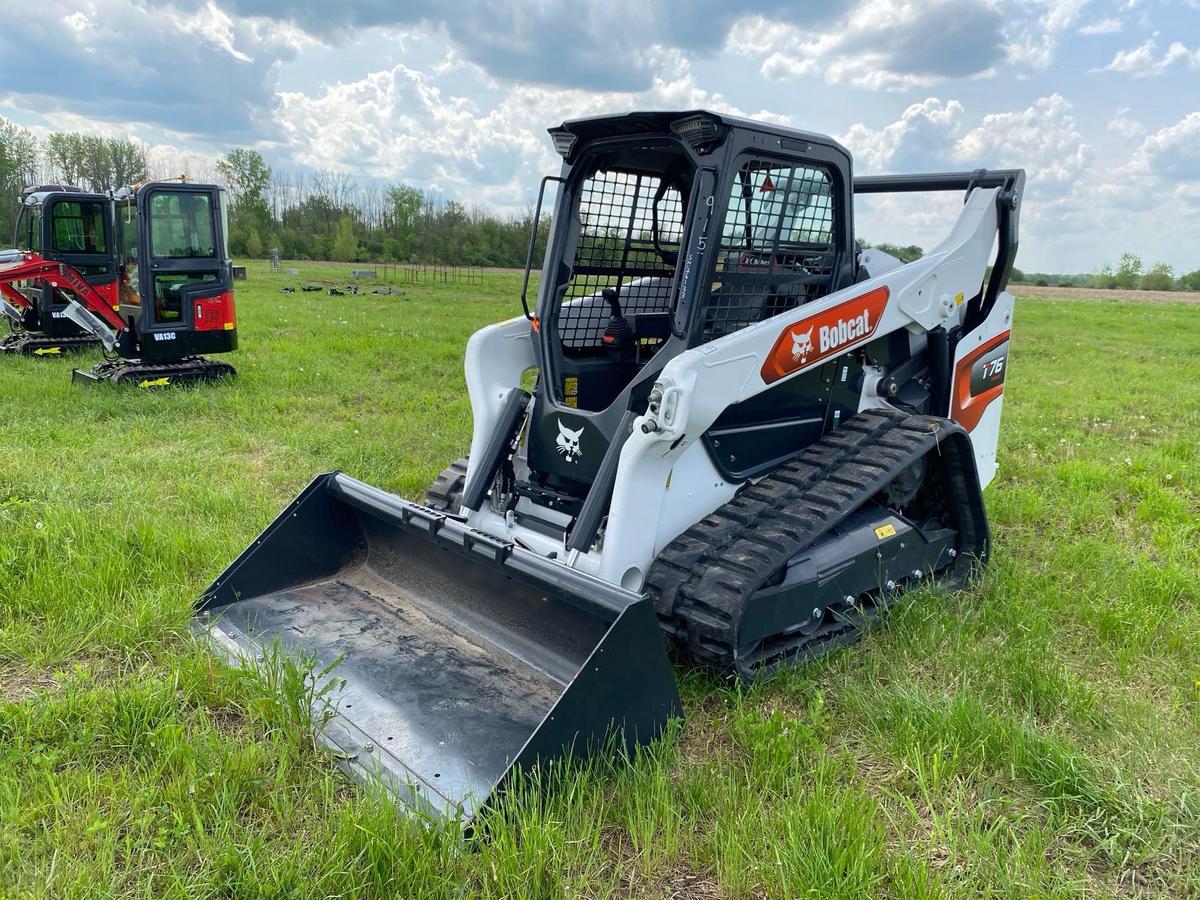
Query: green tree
{"points": [[345, 244], [1129, 272], [1190, 281], [101, 164], [909, 253], [246, 175], [405, 219], [1160, 278], [18, 163]]}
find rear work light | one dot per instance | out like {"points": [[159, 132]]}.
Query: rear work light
{"points": [[698, 131], [564, 142], [214, 313]]}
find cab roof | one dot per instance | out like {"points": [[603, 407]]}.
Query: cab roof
{"points": [[633, 123]]}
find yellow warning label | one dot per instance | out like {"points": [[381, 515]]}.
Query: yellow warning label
{"points": [[885, 531], [573, 402], [958, 299], [42, 351], [571, 386], [155, 382]]}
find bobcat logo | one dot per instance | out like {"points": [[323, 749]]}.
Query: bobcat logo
{"points": [[802, 345], [568, 443]]}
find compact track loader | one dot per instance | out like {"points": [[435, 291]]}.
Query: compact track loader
{"points": [[744, 437], [164, 296], [71, 226]]}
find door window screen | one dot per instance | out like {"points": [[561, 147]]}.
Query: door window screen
{"points": [[777, 245], [616, 249]]}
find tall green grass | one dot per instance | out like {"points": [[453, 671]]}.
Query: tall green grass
{"points": [[1035, 737]]}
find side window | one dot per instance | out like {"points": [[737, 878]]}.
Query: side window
{"points": [[168, 295], [78, 227], [30, 229], [777, 244], [128, 225]]}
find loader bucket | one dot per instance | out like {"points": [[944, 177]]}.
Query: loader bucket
{"points": [[462, 657]]}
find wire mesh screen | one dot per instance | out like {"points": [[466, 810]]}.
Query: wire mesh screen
{"points": [[619, 221], [777, 246]]}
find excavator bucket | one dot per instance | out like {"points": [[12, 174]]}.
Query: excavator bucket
{"points": [[458, 658]]}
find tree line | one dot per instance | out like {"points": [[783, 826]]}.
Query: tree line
{"points": [[1129, 274], [302, 214]]}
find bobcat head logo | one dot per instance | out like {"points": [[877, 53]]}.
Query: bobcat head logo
{"points": [[802, 345], [568, 442]]}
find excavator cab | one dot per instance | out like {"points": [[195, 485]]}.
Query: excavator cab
{"points": [[72, 226], [176, 286]]}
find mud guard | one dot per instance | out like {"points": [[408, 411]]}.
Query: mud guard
{"points": [[463, 657]]}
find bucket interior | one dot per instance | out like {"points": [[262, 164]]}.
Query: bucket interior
{"points": [[450, 664]]}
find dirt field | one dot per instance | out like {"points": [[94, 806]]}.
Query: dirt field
{"points": [[1079, 293]]}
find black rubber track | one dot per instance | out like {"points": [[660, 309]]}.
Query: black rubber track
{"points": [[189, 370], [703, 580], [446, 492], [27, 344]]}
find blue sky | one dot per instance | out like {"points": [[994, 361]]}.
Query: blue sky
{"points": [[1099, 100]]}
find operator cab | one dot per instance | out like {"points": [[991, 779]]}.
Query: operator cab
{"points": [[66, 224], [671, 230], [176, 277]]}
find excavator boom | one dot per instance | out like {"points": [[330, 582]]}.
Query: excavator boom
{"points": [[59, 274]]}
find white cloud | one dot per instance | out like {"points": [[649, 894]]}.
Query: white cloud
{"points": [[1173, 153], [1142, 60], [878, 44], [400, 123], [1033, 43], [1121, 124], [1044, 139], [1101, 26], [920, 138], [196, 70], [1061, 14]]}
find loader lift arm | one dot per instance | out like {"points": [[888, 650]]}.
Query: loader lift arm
{"points": [[1011, 185]]}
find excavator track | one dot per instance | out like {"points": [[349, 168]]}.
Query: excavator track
{"points": [[724, 569], [27, 344], [147, 375]]}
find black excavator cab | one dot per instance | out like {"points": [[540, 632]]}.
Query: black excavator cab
{"points": [[68, 225], [175, 292]]}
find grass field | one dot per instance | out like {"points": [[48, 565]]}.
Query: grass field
{"points": [[1038, 737]]}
